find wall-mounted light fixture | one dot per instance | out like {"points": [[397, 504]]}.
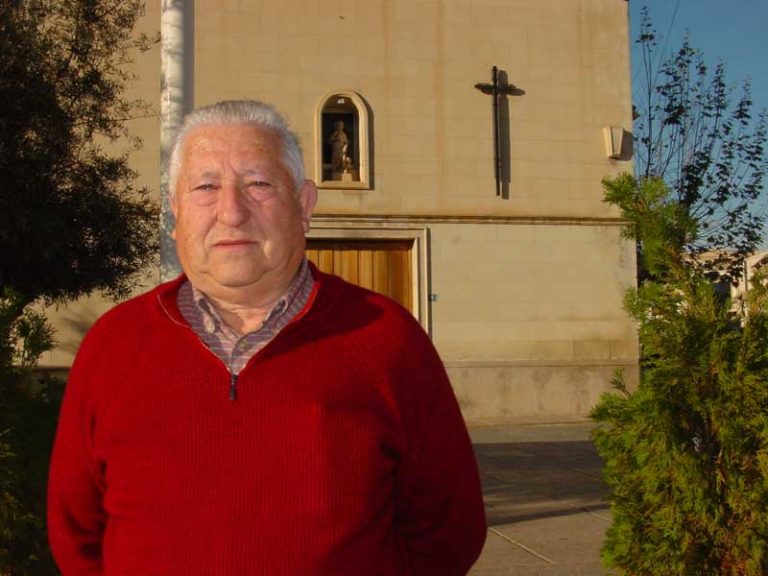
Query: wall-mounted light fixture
{"points": [[613, 136]]}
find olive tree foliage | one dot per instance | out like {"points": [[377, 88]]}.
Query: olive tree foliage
{"points": [[72, 220], [702, 137]]}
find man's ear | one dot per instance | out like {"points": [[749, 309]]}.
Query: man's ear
{"points": [[307, 201]]}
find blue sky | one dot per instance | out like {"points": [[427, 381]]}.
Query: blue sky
{"points": [[733, 31]]}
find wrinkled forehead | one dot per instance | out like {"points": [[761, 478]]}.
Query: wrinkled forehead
{"points": [[242, 142]]}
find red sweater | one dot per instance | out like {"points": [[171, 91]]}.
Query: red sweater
{"points": [[343, 453]]}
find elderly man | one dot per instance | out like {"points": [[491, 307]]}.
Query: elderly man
{"points": [[256, 416]]}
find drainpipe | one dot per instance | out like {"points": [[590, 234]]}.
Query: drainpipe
{"points": [[176, 99]]}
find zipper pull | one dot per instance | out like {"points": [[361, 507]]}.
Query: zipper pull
{"points": [[233, 386]]}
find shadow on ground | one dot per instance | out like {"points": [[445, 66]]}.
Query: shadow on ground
{"points": [[527, 480], [545, 501]]}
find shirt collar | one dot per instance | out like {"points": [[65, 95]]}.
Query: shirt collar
{"points": [[213, 322]]}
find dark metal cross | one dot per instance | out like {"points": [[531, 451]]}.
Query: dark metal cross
{"points": [[497, 89]]}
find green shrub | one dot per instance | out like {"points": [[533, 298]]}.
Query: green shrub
{"points": [[687, 452], [29, 405]]}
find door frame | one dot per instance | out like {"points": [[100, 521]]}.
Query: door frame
{"points": [[374, 232]]}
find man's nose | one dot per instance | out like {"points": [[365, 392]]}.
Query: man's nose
{"points": [[233, 207]]}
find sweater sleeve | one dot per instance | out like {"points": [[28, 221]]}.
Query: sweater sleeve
{"points": [[439, 508], [76, 517]]}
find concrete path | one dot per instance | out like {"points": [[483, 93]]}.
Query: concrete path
{"points": [[544, 500]]}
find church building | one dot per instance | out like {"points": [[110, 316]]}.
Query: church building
{"points": [[459, 148]]}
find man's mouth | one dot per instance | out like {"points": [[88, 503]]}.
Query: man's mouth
{"points": [[234, 243]]}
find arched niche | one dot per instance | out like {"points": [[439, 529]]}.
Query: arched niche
{"points": [[342, 149]]}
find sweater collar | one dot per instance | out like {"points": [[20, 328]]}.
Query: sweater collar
{"points": [[167, 294]]}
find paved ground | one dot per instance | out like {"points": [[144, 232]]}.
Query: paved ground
{"points": [[544, 500]]}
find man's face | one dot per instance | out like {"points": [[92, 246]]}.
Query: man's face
{"points": [[239, 222]]}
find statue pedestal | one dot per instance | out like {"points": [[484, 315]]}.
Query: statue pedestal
{"points": [[343, 176]]}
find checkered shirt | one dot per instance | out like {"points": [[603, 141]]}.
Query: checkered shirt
{"points": [[233, 348]]}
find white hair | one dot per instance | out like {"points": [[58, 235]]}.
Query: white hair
{"points": [[238, 112]]}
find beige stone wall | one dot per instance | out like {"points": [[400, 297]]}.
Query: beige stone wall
{"points": [[416, 64], [530, 292], [528, 316], [527, 291]]}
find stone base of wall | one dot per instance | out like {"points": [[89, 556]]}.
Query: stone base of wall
{"points": [[499, 393]]}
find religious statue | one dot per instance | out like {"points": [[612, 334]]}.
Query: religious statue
{"points": [[340, 161]]}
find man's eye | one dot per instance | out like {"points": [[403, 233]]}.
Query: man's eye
{"points": [[260, 189], [203, 194]]}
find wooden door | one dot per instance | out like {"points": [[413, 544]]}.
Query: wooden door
{"points": [[383, 266]]}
